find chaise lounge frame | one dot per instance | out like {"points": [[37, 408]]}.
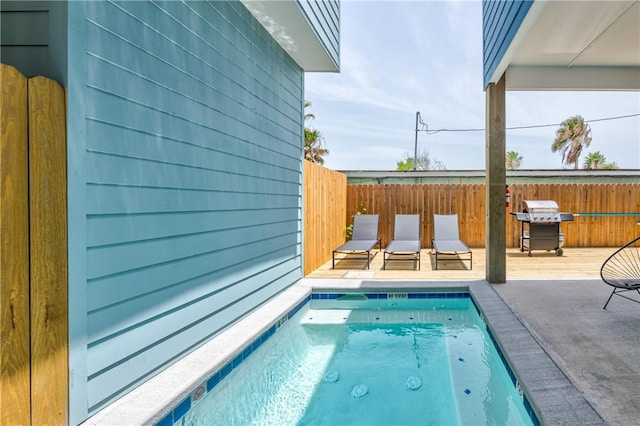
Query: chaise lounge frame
{"points": [[407, 241], [363, 239], [446, 240]]}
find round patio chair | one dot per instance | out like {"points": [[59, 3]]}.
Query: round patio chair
{"points": [[622, 270]]}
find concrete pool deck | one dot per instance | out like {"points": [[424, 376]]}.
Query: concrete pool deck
{"points": [[577, 362], [598, 349]]}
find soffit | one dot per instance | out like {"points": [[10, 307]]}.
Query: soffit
{"points": [[288, 26], [578, 43]]}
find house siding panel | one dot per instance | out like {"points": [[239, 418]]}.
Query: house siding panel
{"points": [[192, 167], [501, 21], [32, 37], [178, 343]]}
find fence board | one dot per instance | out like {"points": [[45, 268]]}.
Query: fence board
{"points": [[14, 252], [48, 246], [325, 212]]}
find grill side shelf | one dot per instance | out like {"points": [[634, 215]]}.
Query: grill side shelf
{"points": [[566, 217]]}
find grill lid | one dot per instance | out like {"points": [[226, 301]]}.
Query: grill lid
{"points": [[540, 206], [541, 211]]}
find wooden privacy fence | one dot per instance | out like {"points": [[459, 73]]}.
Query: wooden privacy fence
{"points": [[467, 201], [325, 201], [606, 214], [33, 257], [609, 212]]}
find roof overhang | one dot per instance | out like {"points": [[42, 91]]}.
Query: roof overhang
{"points": [[575, 45], [286, 23]]}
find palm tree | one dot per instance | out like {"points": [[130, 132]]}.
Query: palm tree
{"points": [[573, 135], [313, 140], [313, 150], [308, 115], [513, 160], [595, 160]]}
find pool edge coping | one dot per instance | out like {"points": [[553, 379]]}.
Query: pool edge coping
{"points": [[554, 397]]}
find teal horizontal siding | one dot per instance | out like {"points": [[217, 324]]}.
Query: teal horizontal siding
{"points": [[215, 132], [102, 199], [196, 26], [120, 377], [187, 176], [188, 142], [24, 36], [33, 38], [192, 166], [501, 21], [172, 314], [183, 273], [106, 230], [226, 246]]}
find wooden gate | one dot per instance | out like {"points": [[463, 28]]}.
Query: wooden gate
{"points": [[33, 256]]}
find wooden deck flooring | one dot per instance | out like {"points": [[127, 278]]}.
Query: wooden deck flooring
{"points": [[574, 263]]}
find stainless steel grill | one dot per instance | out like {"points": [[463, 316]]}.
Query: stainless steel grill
{"points": [[542, 218]]}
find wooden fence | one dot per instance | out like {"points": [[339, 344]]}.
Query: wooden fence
{"points": [[33, 258], [426, 200], [609, 212], [325, 202]]}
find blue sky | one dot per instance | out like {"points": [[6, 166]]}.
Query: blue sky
{"points": [[399, 57]]}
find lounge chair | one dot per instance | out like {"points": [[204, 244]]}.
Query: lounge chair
{"points": [[622, 271], [406, 243], [446, 240], [363, 238]]}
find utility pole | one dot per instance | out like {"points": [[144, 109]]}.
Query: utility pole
{"points": [[415, 151]]}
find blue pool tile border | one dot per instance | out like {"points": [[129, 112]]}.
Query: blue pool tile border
{"points": [[185, 405], [390, 295]]}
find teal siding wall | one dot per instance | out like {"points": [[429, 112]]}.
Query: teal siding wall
{"points": [[32, 37], [501, 21], [324, 18], [24, 36], [185, 126]]}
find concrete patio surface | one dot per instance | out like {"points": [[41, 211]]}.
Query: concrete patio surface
{"points": [[597, 349]]}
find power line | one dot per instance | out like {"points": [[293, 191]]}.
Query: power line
{"points": [[425, 127]]}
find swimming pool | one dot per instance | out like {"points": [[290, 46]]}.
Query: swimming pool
{"points": [[375, 358]]}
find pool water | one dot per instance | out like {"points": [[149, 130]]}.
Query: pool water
{"points": [[357, 361]]}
